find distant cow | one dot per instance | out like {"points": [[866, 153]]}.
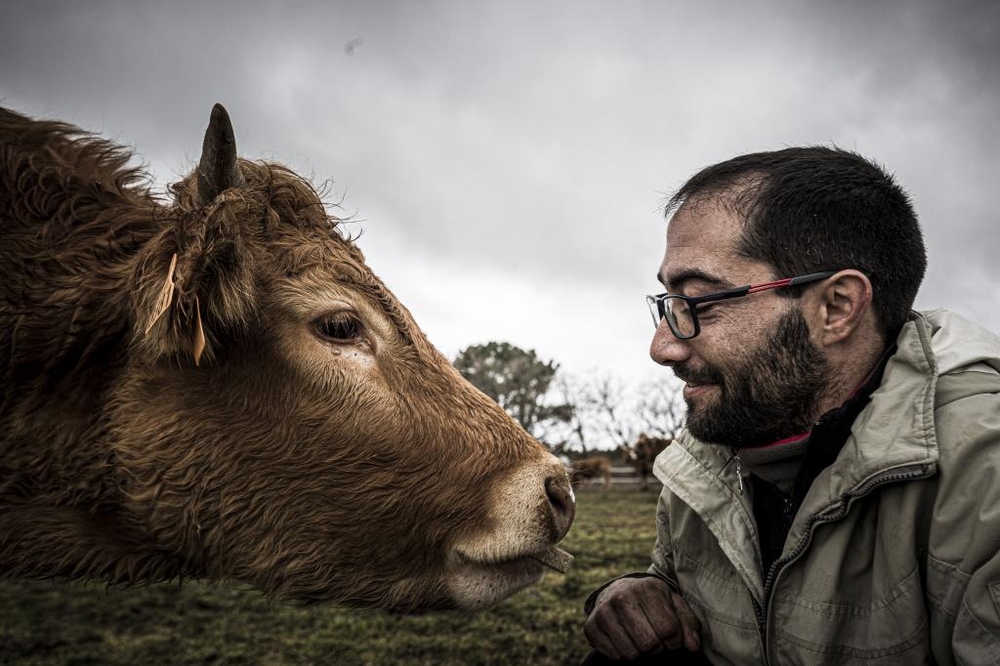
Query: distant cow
{"points": [[219, 387], [642, 454], [594, 467]]}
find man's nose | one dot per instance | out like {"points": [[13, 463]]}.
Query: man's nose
{"points": [[666, 348]]}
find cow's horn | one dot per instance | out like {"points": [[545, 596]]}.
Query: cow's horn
{"points": [[218, 170]]}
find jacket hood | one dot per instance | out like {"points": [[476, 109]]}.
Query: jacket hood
{"points": [[897, 427], [960, 345]]}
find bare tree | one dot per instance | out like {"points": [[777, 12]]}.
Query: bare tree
{"points": [[660, 407], [608, 413], [603, 417], [571, 434], [608, 402]]}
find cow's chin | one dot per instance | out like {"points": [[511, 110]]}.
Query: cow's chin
{"points": [[475, 584], [464, 584]]}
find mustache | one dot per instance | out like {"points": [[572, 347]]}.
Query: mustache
{"points": [[689, 375]]}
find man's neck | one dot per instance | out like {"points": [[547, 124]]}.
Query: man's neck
{"points": [[853, 368]]}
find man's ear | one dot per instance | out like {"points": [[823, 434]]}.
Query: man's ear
{"points": [[840, 305]]}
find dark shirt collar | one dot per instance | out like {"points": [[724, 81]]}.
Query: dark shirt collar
{"points": [[830, 432]]}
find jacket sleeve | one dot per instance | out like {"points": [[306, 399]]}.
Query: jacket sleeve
{"points": [[976, 637], [663, 551], [963, 566]]}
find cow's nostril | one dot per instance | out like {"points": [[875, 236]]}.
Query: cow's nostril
{"points": [[560, 496]]}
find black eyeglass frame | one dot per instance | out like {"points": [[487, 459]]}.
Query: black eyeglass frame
{"points": [[658, 310]]}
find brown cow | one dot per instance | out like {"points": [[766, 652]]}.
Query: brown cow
{"points": [[221, 388], [594, 467], [642, 455]]}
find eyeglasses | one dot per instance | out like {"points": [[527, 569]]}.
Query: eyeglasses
{"points": [[681, 312]]}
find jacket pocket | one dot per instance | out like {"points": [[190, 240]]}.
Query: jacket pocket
{"points": [[843, 627], [723, 606]]}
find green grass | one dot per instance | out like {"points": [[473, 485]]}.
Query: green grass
{"points": [[194, 623]]}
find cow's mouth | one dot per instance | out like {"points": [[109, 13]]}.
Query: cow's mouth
{"points": [[551, 557]]}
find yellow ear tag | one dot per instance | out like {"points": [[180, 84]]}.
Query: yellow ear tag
{"points": [[199, 333], [165, 297]]}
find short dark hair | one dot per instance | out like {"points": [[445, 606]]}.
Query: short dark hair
{"points": [[822, 208]]}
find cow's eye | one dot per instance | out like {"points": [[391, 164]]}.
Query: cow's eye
{"points": [[339, 327]]}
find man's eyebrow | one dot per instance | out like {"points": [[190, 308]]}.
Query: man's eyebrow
{"points": [[675, 281]]}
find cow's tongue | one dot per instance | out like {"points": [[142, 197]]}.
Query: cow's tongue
{"points": [[555, 558]]}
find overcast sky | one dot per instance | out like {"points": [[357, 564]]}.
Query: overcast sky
{"points": [[507, 161]]}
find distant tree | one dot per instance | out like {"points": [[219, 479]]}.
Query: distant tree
{"points": [[517, 380]]}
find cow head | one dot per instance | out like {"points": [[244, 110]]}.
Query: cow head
{"points": [[282, 419]]}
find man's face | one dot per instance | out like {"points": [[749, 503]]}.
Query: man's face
{"points": [[752, 376]]}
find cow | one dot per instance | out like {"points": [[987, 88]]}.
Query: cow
{"points": [[642, 454], [593, 467], [215, 385]]}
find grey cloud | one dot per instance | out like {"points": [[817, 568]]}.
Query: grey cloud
{"points": [[539, 138]]}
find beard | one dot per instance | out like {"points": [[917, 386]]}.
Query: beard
{"points": [[771, 396]]}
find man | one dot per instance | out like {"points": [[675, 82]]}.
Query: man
{"points": [[835, 497]]}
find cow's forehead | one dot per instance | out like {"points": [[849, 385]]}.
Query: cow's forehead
{"points": [[308, 275]]}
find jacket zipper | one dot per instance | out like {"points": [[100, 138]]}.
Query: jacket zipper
{"points": [[902, 473]]}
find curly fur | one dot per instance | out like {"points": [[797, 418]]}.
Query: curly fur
{"points": [[151, 427]]}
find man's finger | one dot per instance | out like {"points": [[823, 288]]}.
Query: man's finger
{"points": [[599, 633], [647, 616], [666, 631], [633, 617], [644, 634], [690, 626]]}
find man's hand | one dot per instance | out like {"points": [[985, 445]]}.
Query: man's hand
{"points": [[636, 616]]}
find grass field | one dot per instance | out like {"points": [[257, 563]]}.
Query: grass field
{"points": [[58, 623]]}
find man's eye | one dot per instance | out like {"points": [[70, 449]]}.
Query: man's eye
{"points": [[337, 327], [706, 310]]}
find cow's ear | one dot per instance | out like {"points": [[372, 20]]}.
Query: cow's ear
{"points": [[194, 280]]}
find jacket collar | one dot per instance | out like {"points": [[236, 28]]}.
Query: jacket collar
{"points": [[895, 428]]}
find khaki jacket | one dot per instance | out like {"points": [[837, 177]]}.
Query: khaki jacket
{"points": [[894, 555]]}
